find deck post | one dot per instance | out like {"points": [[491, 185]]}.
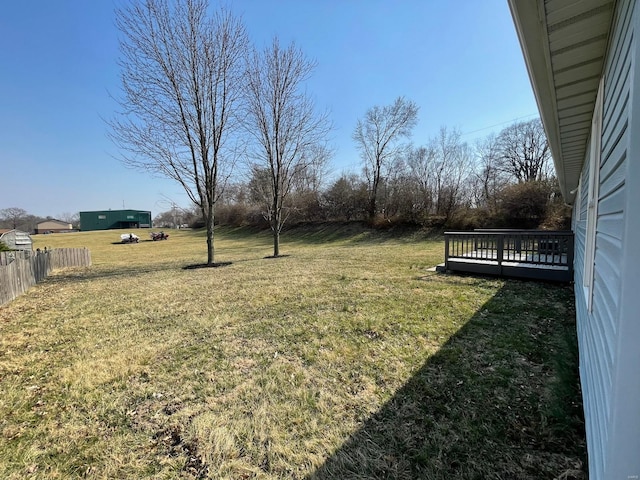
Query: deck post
{"points": [[446, 251], [500, 248], [570, 253]]}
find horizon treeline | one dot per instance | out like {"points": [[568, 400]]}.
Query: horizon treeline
{"points": [[503, 180]]}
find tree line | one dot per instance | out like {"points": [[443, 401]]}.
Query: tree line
{"points": [[504, 180]]}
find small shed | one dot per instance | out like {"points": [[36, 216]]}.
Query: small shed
{"points": [[17, 240], [53, 226]]}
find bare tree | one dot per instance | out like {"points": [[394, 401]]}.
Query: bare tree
{"points": [[397, 194], [305, 201], [451, 169], [311, 178], [524, 151], [13, 217], [181, 72], [165, 220], [378, 136], [175, 217], [421, 163], [282, 120], [69, 217], [489, 178], [260, 189]]}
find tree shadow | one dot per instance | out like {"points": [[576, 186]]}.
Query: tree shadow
{"points": [[499, 400], [323, 232], [82, 274], [207, 265], [355, 233]]}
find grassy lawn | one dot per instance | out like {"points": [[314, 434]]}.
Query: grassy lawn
{"points": [[346, 359]]}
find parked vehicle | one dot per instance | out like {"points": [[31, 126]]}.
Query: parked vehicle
{"points": [[159, 236], [129, 238]]}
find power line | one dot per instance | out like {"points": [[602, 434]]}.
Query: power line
{"points": [[498, 124]]}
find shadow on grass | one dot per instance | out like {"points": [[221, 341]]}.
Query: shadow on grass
{"points": [[323, 233], [82, 274], [147, 240], [227, 231], [207, 265], [356, 232], [499, 400]]}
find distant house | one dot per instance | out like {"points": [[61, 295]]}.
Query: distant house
{"points": [[17, 240], [114, 219], [53, 226], [583, 59]]}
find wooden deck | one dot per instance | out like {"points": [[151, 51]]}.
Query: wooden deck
{"points": [[535, 254]]}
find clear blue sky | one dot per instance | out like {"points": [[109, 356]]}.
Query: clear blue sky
{"points": [[460, 61]]}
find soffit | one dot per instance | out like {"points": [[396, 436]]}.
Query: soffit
{"points": [[564, 44]]}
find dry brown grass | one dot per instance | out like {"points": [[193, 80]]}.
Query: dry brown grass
{"points": [[345, 359]]}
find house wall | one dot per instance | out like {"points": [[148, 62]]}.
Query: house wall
{"points": [[608, 334], [624, 453]]}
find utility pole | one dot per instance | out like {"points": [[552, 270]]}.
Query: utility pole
{"points": [[173, 211]]}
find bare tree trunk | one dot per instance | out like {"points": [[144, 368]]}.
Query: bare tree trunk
{"points": [[373, 203], [276, 223], [209, 221], [276, 243]]}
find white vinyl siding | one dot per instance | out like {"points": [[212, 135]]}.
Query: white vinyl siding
{"points": [[598, 327]]}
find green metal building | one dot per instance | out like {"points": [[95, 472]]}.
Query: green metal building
{"points": [[114, 219]]}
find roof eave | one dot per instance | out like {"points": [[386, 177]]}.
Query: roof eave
{"points": [[532, 33]]}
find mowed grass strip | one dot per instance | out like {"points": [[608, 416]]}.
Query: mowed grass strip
{"points": [[344, 359]]}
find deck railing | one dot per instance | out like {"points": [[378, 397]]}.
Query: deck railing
{"points": [[538, 254]]}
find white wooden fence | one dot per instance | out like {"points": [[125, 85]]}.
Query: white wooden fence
{"points": [[21, 270]]}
